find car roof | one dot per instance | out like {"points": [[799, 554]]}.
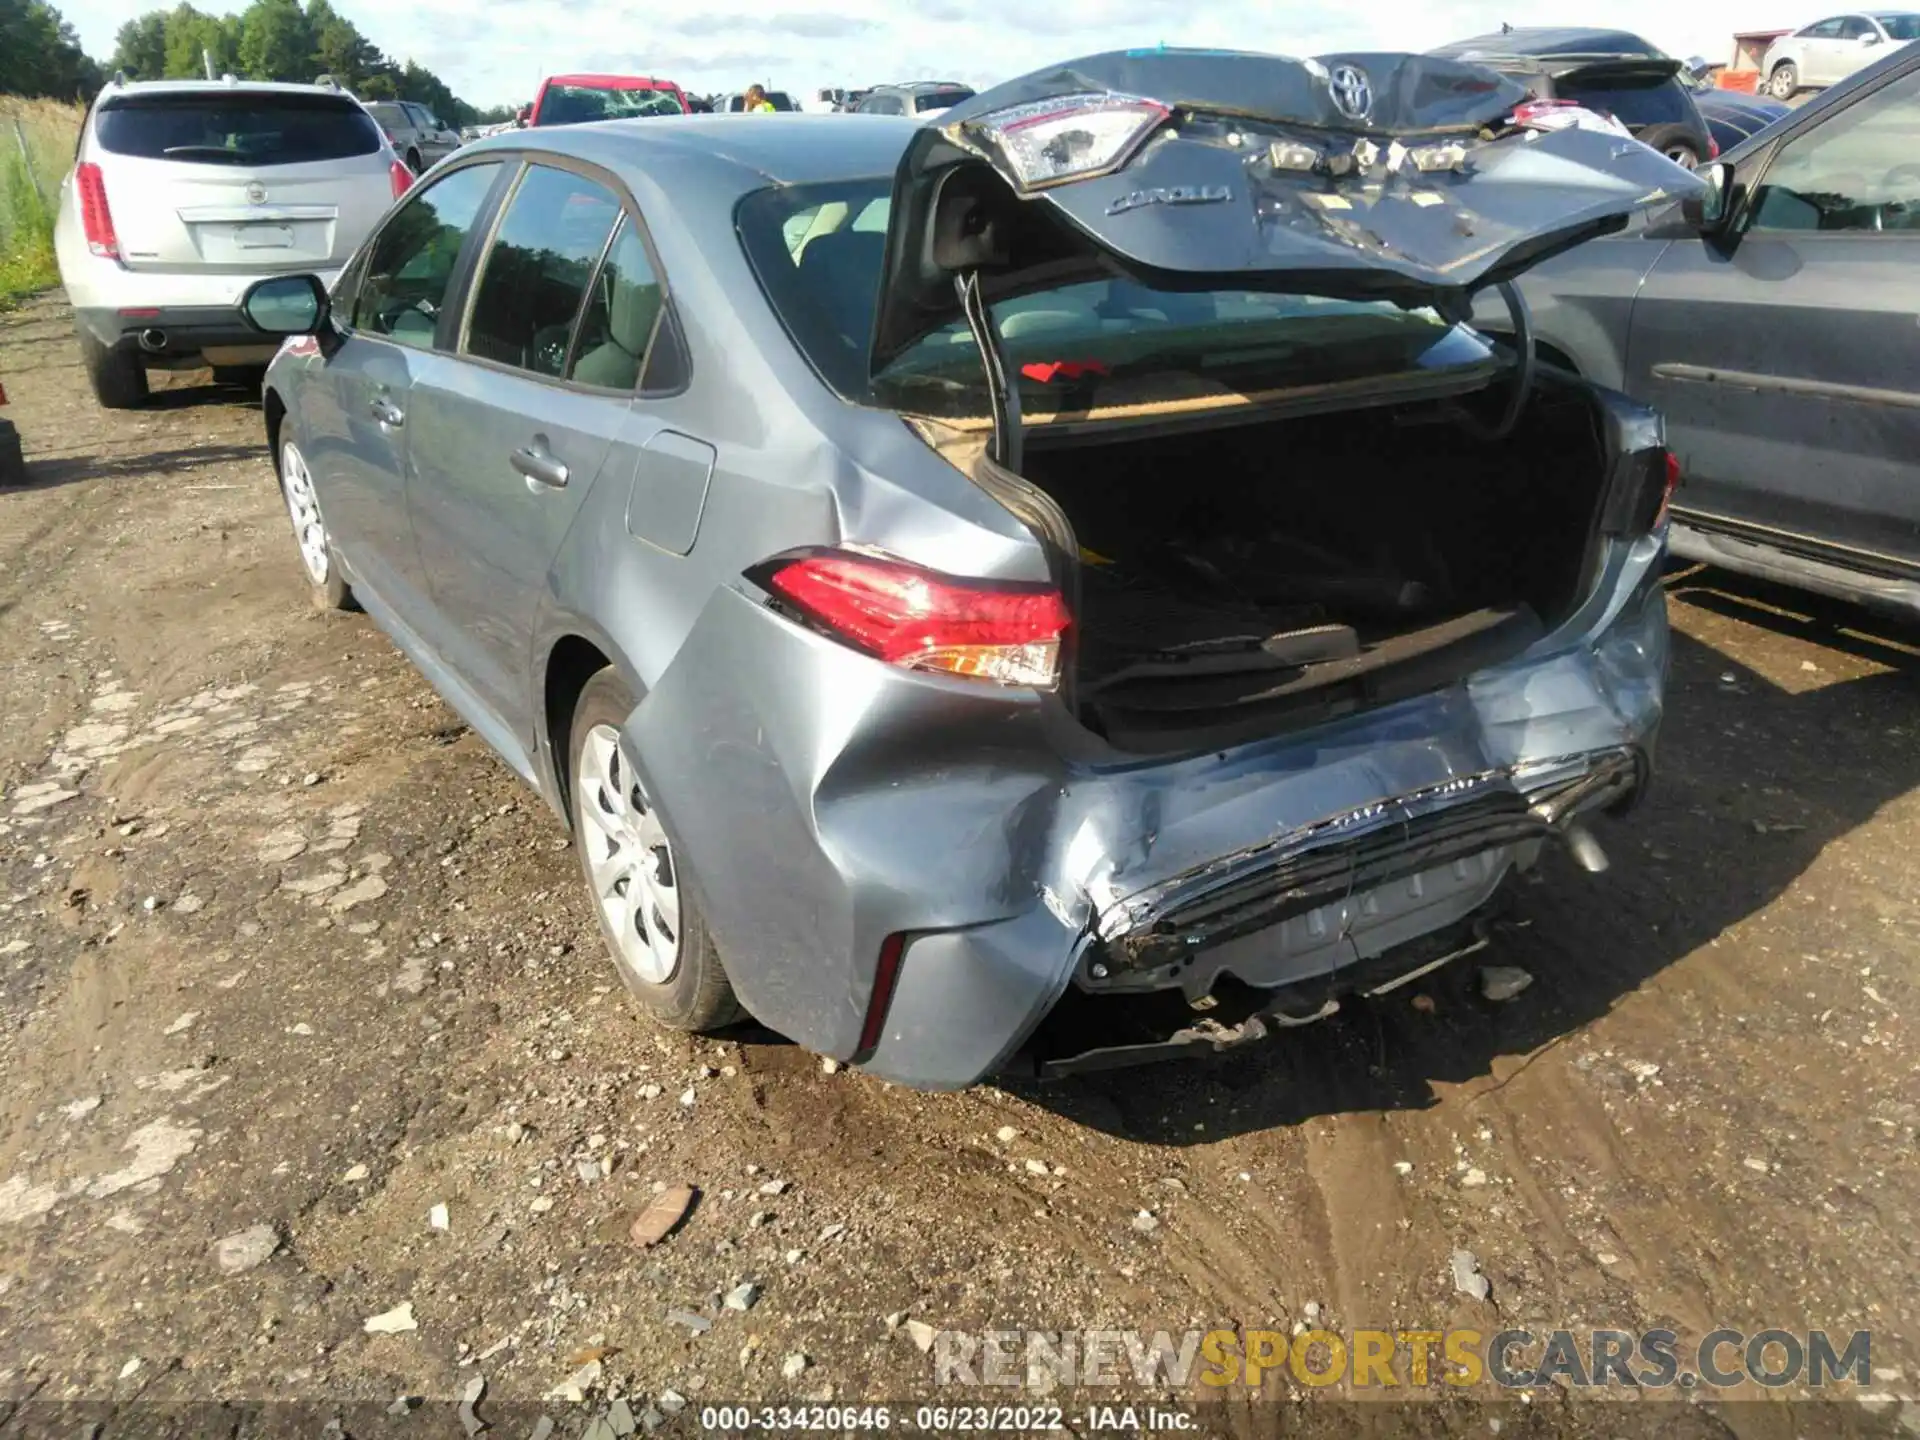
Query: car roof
{"points": [[788, 147], [588, 81], [219, 87], [919, 85], [1544, 41]]}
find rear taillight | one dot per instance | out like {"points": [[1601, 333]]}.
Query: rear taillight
{"points": [[1672, 479], [95, 218], [1713, 148], [1002, 631], [886, 974], [401, 178]]}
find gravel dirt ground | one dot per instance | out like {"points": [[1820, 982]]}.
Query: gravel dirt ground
{"points": [[288, 961]]}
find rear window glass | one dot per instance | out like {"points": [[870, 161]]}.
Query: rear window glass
{"points": [[241, 128], [939, 100], [818, 251], [582, 104], [1633, 103]]}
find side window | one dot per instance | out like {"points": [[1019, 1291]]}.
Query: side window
{"points": [[535, 274], [411, 263], [1854, 171], [1825, 30], [1855, 26], [621, 315]]}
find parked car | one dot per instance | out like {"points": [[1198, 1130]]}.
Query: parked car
{"points": [[1613, 72], [185, 192], [1828, 51], [779, 99], [582, 99], [1775, 332], [415, 132], [1732, 116], [922, 99], [793, 512]]}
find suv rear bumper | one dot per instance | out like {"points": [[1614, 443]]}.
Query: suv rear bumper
{"points": [[185, 317]]}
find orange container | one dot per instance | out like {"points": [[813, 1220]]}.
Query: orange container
{"points": [[1745, 81]]}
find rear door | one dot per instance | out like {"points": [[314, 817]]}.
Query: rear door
{"points": [[1789, 367], [1820, 52], [509, 437], [244, 181], [357, 407]]}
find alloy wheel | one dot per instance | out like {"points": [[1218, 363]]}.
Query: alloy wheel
{"points": [[1683, 156], [629, 859], [296, 484]]}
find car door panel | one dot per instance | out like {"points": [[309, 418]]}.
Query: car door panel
{"points": [[1788, 366]]}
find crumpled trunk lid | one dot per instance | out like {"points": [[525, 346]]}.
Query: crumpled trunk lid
{"points": [[1384, 176]]}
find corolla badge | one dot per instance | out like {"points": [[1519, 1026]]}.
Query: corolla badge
{"points": [[256, 193], [1352, 91], [1170, 195]]}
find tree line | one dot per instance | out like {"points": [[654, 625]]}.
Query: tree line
{"points": [[269, 40]]}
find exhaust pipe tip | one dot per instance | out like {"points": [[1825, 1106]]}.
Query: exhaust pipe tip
{"points": [[153, 341], [1586, 850]]}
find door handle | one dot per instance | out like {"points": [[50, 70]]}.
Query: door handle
{"points": [[539, 464], [386, 412]]}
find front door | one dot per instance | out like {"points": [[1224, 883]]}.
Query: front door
{"points": [[513, 432], [358, 436], [1788, 367]]}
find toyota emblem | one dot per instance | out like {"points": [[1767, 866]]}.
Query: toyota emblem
{"points": [[257, 193], [1352, 91]]}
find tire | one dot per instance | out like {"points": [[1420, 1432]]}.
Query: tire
{"points": [[13, 464], [668, 962], [118, 378], [1784, 80], [1676, 143], [326, 584]]}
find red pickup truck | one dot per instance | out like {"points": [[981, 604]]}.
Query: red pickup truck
{"points": [[580, 99]]}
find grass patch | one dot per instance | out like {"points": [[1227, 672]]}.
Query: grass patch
{"points": [[36, 149]]}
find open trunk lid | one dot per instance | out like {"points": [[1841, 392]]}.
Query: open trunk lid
{"points": [[1366, 176]]}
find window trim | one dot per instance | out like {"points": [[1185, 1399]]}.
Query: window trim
{"points": [[521, 161]]}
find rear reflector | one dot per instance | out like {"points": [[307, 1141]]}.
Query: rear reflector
{"points": [[95, 218], [1672, 477], [401, 177], [1002, 631], [886, 973]]}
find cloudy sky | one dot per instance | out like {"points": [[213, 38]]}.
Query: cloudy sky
{"points": [[494, 51]]}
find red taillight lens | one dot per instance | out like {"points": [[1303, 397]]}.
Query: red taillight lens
{"points": [[921, 619], [886, 974], [95, 218], [401, 177], [1672, 484]]}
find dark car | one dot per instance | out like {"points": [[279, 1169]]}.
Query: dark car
{"points": [[1733, 116], [1776, 333], [1614, 72]]}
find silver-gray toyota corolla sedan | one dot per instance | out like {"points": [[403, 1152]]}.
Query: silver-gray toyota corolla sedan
{"points": [[1072, 560]]}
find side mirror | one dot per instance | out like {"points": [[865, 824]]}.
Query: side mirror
{"points": [[1711, 210], [286, 305], [1872, 37]]}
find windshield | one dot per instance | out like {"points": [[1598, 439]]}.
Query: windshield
{"points": [[583, 104], [1900, 27], [1635, 101], [238, 128], [819, 250]]}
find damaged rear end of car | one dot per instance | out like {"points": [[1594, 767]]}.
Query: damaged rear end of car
{"points": [[1342, 613]]}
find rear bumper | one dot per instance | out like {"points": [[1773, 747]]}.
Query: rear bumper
{"points": [[194, 313], [822, 803]]}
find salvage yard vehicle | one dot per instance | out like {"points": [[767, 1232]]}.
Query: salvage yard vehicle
{"points": [[1775, 332], [183, 193], [1070, 558], [583, 99], [1828, 51]]}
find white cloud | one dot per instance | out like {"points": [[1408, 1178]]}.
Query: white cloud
{"points": [[491, 51]]}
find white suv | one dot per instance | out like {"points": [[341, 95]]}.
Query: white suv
{"points": [[184, 193]]}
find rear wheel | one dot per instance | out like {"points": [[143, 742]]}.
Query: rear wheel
{"points": [[118, 378], [651, 922], [330, 590], [1784, 80]]}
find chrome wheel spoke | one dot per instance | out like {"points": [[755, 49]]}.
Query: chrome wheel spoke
{"points": [[629, 859], [303, 509]]}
